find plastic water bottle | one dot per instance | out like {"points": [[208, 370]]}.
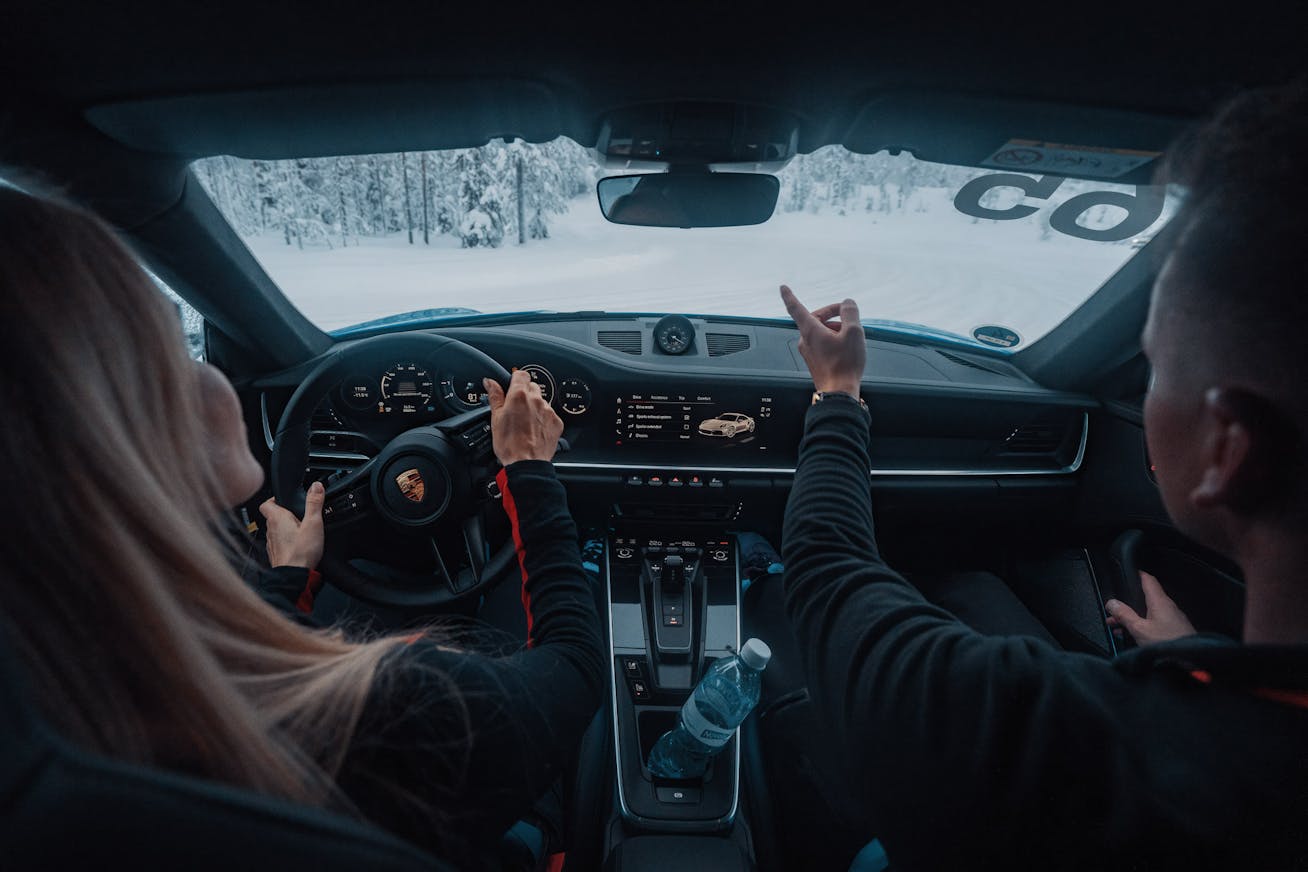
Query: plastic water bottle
{"points": [[723, 699]]}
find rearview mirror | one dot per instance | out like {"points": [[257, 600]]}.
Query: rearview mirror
{"points": [[689, 199]]}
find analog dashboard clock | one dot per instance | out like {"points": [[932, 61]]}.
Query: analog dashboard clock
{"points": [[674, 334]]}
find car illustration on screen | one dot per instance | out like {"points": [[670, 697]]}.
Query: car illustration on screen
{"points": [[727, 425]]}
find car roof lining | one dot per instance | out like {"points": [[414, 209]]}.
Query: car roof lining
{"points": [[1154, 59]]}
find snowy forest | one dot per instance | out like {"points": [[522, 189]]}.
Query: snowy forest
{"points": [[482, 195], [507, 192]]}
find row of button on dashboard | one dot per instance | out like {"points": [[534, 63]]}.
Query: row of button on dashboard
{"points": [[674, 479], [718, 551]]}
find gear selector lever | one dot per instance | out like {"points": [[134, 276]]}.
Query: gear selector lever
{"points": [[674, 573], [668, 607]]}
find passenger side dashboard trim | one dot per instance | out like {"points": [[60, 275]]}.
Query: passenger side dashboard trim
{"points": [[1069, 469]]}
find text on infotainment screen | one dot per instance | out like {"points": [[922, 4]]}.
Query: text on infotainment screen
{"points": [[694, 417]]}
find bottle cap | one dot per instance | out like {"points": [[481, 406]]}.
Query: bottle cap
{"points": [[755, 654]]}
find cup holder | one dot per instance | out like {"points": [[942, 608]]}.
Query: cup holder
{"points": [[652, 724]]}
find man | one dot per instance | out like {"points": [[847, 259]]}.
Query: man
{"points": [[975, 751]]}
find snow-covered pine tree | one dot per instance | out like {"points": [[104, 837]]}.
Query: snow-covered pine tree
{"points": [[480, 198], [408, 199], [426, 206]]}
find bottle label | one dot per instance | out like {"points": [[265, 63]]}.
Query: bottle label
{"points": [[701, 727]]}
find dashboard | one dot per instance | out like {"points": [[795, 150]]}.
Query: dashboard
{"points": [[697, 419], [726, 407]]}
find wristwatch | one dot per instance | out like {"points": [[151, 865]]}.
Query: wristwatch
{"points": [[819, 396]]}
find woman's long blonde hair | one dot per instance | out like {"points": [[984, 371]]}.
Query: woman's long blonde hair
{"points": [[137, 637]]}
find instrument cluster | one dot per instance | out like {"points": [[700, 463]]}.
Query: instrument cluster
{"points": [[408, 389]]}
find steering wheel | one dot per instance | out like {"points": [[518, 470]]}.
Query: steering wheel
{"points": [[428, 483]]}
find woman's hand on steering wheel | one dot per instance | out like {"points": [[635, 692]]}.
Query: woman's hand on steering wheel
{"points": [[422, 497], [292, 541], [523, 426]]}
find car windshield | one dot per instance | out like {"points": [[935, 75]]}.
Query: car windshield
{"points": [[989, 256]]}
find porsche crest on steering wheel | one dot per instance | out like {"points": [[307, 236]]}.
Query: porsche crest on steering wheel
{"points": [[411, 485]]}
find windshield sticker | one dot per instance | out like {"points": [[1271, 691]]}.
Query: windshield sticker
{"points": [[999, 337], [1139, 210], [1087, 161]]}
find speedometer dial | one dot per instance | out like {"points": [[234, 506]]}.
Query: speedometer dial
{"points": [[462, 393], [541, 376], [406, 387]]}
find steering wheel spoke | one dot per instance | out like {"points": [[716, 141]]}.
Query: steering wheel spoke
{"points": [[460, 554], [349, 498], [471, 432]]}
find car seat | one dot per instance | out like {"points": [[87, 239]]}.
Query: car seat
{"points": [[64, 808]]}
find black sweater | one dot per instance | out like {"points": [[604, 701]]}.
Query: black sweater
{"points": [[970, 751], [477, 739]]}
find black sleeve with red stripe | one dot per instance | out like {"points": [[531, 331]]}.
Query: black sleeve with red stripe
{"points": [[556, 595], [290, 589], [476, 738]]}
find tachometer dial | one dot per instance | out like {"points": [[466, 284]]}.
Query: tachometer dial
{"points": [[541, 376], [574, 396], [462, 393], [406, 387]]}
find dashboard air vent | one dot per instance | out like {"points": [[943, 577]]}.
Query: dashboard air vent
{"points": [[963, 361], [721, 344], [324, 418], [626, 341], [1034, 439]]}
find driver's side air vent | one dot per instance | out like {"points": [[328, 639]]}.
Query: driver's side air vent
{"points": [[721, 344], [324, 418], [626, 341], [1033, 439]]}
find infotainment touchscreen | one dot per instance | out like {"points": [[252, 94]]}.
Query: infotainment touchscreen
{"points": [[703, 419]]}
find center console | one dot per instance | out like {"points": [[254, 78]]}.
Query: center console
{"points": [[674, 608]]}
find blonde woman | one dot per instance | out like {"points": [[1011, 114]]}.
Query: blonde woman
{"points": [[142, 643]]}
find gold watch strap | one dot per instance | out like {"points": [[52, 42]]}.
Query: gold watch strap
{"points": [[819, 396]]}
